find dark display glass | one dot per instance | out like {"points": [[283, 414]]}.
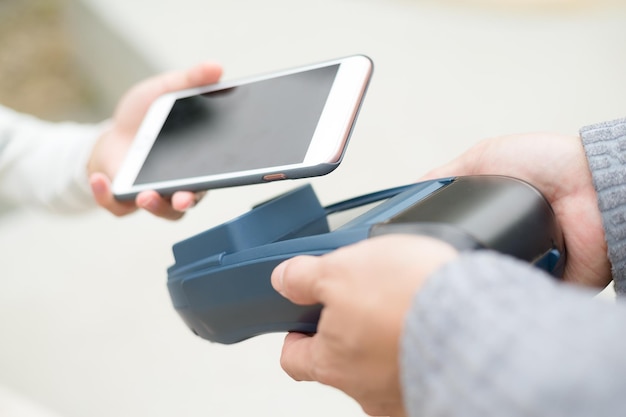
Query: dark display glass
{"points": [[257, 125]]}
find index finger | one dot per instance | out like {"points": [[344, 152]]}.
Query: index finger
{"points": [[296, 356]]}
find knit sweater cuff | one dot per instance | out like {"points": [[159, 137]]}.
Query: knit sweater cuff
{"points": [[605, 147]]}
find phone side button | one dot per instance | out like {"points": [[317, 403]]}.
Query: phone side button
{"points": [[274, 177]]}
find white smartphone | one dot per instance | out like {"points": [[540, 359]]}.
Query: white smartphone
{"points": [[290, 124]]}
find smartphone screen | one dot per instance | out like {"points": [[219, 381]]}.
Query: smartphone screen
{"points": [[288, 124], [250, 126]]}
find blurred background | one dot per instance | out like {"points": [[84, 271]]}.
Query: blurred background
{"points": [[38, 74], [86, 323]]}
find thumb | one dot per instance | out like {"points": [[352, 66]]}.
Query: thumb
{"points": [[473, 161], [297, 279], [453, 168]]}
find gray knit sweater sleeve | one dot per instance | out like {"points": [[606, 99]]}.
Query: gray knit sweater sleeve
{"points": [[492, 336], [605, 146]]}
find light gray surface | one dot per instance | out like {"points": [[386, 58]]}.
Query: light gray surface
{"points": [[85, 318]]}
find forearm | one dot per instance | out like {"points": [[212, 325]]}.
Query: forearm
{"points": [[44, 164], [488, 335], [605, 147]]}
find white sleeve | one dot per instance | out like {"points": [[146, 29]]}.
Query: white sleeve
{"points": [[45, 164]]}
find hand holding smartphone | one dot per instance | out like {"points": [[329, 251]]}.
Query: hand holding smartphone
{"points": [[290, 124]]}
